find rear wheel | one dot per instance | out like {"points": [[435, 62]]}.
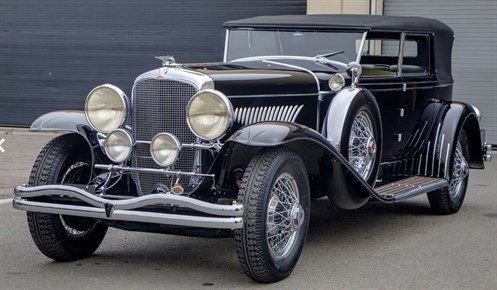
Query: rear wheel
{"points": [[276, 199], [64, 238], [450, 199]]}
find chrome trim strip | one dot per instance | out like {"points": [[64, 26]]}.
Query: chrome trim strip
{"points": [[434, 149], [129, 204], [265, 58], [151, 170], [127, 215], [419, 165], [447, 161], [440, 155], [209, 146], [296, 67], [427, 157], [275, 95]]}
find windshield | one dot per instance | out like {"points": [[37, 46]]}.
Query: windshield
{"points": [[242, 43]]}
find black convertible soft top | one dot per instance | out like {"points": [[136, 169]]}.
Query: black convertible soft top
{"points": [[443, 35]]}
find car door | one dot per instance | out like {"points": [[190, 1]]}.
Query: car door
{"points": [[380, 75], [419, 84]]}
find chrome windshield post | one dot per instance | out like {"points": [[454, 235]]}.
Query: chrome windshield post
{"points": [[225, 55], [361, 47]]}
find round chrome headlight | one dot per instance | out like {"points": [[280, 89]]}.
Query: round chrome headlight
{"points": [[118, 145], [105, 108], [336, 82], [209, 114], [165, 149]]}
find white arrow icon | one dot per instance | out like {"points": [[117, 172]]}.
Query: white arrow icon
{"points": [[1, 142]]}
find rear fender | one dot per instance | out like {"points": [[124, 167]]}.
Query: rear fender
{"points": [[321, 159], [428, 150], [451, 120]]}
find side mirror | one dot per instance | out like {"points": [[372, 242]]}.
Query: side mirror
{"points": [[354, 70]]}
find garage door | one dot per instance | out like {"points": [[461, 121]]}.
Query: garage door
{"points": [[474, 57], [53, 52]]}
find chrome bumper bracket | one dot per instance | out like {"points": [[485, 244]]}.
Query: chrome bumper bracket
{"points": [[223, 216]]}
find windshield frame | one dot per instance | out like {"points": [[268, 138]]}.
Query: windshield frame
{"points": [[226, 41]]}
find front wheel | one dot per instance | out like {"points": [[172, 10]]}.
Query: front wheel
{"points": [[276, 199], [64, 238]]}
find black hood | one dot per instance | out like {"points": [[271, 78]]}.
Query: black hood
{"points": [[257, 78]]}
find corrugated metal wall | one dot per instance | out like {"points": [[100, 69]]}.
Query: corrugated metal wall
{"points": [[52, 52], [475, 49]]}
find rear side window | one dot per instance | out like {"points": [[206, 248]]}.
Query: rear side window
{"points": [[380, 55], [416, 60]]}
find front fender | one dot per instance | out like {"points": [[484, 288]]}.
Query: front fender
{"points": [[345, 187], [63, 121], [71, 122]]}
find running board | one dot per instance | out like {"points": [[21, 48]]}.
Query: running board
{"points": [[409, 187]]}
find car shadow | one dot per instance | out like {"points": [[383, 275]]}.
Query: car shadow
{"points": [[157, 255]]}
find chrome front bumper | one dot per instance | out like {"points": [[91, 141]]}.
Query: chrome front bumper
{"points": [[221, 216]]}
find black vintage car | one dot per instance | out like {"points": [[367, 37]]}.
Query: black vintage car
{"points": [[302, 107]]}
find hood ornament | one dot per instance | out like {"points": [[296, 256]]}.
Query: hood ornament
{"points": [[168, 61]]}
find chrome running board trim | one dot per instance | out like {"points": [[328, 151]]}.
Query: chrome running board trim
{"points": [[410, 187]]}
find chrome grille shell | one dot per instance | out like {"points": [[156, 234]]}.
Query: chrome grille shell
{"points": [[159, 105]]}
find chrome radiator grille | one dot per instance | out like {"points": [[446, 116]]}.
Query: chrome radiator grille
{"points": [[160, 106]]}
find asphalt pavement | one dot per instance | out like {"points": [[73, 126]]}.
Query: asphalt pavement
{"points": [[378, 246]]}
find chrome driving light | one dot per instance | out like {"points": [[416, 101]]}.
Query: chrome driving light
{"points": [[165, 149], [336, 82], [209, 114], [118, 145], [105, 108]]}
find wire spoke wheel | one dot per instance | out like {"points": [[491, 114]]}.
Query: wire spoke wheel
{"points": [[276, 199], [77, 173], [284, 216], [460, 170], [362, 145], [449, 200]]}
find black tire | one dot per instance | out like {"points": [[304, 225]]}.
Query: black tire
{"points": [[253, 250], [442, 201], [371, 111], [63, 238]]}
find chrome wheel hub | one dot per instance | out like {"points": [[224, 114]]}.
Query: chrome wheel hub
{"points": [[297, 216], [362, 145], [460, 171], [285, 216]]}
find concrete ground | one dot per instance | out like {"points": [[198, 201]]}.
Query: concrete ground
{"points": [[379, 246], [21, 148]]}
